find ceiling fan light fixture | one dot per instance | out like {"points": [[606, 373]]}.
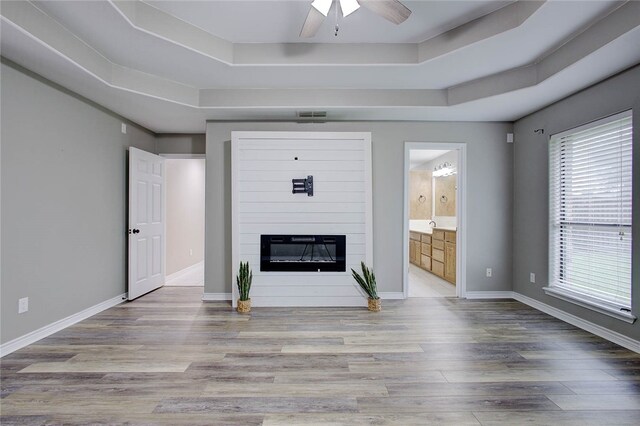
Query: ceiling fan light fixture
{"points": [[322, 6], [391, 10], [349, 6]]}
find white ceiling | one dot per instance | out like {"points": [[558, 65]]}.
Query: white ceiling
{"points": [[268, 21], [162, 71]]}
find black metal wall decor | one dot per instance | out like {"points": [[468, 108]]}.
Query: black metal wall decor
{"points": [[301, 186]]}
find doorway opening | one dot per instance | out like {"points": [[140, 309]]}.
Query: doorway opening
{"points": [[434, 220], [185, 220]]}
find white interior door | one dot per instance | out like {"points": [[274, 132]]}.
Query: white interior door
{"points": [[146, 222]]}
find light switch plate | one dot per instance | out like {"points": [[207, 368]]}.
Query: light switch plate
{"points": [[489, 272], [23, 305], [532, 277]]}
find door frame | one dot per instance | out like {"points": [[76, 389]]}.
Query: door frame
{"points": [[461, 212], [190, 157]]}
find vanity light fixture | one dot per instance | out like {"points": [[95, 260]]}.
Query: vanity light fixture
{"points": [[444, 169]]}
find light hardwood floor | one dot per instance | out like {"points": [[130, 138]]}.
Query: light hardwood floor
{"points": [[168, 358]]}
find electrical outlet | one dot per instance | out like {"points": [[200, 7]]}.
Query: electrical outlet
{"points": [[532, 277], [489, 272], [123, 128], [23, 305]]}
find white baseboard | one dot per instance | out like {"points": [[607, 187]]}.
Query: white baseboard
{"points": [[308, 301], [210, 297], [489, 295], [47, 330], [389, 295], [612, 336], [262, 301]]}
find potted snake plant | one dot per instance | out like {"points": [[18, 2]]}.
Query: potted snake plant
{"points": [[243, 280], [367, 282]]}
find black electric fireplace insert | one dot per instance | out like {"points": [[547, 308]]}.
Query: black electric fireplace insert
{"points": [[317, 253]]}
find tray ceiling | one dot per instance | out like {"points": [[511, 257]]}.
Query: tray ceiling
{"points": [[280, 21], [187, 62]]}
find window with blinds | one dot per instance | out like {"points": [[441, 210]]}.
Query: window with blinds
{"points": [[590, 198]]}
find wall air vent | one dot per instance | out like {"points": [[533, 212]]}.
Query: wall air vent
{"points": [[312, 114]]}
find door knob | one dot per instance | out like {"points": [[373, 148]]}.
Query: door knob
{"points": [[134, 231]]}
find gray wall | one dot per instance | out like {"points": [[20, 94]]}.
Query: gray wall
{"points": [[185, 213], [64, 194], [180, 144], [489, 196], [531, 201]]}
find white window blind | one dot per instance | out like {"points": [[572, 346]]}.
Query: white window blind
{"points": [[590, 212]]}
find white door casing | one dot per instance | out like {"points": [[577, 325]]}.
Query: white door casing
{"points": [[146, 222], [461, 212]]}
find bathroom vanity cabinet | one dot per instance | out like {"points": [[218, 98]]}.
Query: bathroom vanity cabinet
{"points": [[435, 252], [414, 248]]}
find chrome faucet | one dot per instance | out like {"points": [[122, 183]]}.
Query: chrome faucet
{"points": [[434, 223]]}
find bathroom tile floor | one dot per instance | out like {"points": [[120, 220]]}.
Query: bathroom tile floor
{"points": [[426, 284]]}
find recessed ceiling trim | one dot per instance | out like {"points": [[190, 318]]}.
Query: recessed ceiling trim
{"points": [[313, 54], [165, 26], [29, 21], [42, 28], [504, 82], [157, 23], [35, 24], [492, 24], [624, 19], [39, 26], [314, 98], [152, 85], [619, 22]]}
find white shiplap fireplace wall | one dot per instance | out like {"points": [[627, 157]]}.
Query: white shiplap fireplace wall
{"points": [[263, 165]]}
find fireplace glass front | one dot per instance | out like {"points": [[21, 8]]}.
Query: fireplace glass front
{"points": [[317, 253]]}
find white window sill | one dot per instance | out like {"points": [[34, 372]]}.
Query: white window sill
{"points": [[590, 303]]}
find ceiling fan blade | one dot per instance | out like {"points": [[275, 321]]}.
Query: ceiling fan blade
{"points": [[391, 10], [312, 24]]}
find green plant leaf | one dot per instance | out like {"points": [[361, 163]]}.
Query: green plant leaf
{"points": [[243, 280], [366, 281]]}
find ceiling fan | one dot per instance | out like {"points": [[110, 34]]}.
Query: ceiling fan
{"points": [[391, 10]]}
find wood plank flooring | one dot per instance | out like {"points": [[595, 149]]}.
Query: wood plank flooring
{"points": [[169, 358]]}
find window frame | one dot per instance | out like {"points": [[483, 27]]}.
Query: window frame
{"points": [[561, 292]]}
